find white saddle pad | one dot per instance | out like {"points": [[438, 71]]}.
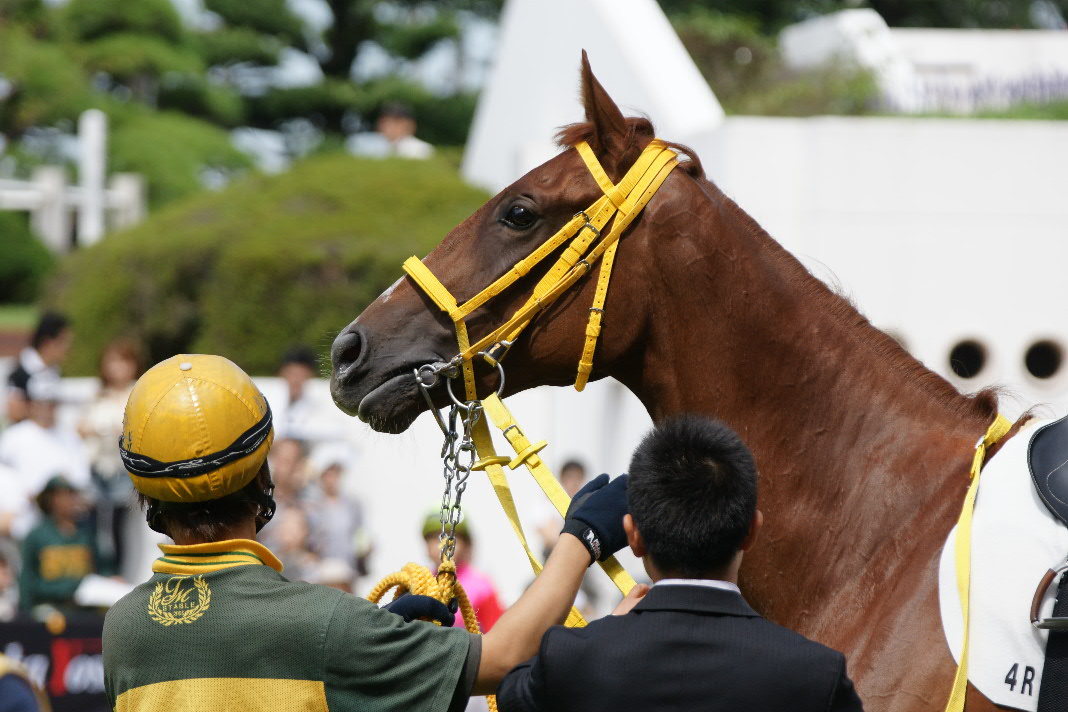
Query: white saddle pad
{"points": [[1015, 540]]}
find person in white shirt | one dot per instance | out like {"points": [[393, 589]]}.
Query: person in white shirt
{"points": [[37, 449], [394, 136]]}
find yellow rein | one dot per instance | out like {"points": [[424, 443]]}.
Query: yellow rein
{"points": [[624, 200]]}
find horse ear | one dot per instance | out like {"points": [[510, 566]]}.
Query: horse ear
{"points": [[609, 126]]}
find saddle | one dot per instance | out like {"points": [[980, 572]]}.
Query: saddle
{"points": [[1047, 460]]}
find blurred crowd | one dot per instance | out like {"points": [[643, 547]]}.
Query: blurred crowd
{"points": [[68, 516], [72, 537]]}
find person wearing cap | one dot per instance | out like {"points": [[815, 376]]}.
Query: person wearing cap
{"points": [[218, 626], [57, 553], [477, 585]]}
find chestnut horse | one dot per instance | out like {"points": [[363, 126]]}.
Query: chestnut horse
{"points": [[863, 453]]}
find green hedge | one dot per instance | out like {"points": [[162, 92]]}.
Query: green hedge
{"points": [[265, 263], [26, 261]]}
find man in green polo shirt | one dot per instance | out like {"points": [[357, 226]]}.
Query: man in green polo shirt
{"points": [[218, 627]]}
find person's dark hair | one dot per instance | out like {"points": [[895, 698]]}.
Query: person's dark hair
{"points": [[209, 521], [573, 465], [396, 109], [692, 494], [300, 354], [50, 325]]}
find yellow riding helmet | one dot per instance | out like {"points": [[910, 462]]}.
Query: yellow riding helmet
{"points": [[196, 428]]}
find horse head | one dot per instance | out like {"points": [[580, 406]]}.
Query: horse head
{"points": [[374, 357]]}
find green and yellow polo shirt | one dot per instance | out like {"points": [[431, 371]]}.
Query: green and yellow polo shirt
{"points": [[218, 627]]}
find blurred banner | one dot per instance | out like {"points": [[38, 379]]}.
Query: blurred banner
{"points": [[69, 666]]}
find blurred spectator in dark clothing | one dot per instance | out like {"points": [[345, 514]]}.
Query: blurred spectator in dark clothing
{"points": [[17, 691], [100, 427], [58, 553], [337, 522], [37, 448], [41, 359], [478, 587]]}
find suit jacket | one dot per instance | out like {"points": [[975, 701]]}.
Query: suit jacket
{"points": [[682, 647]]}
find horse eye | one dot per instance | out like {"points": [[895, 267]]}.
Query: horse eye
{"points": [[519, 217]]}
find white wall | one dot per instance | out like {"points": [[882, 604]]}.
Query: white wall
{"points": [[939, 229]]}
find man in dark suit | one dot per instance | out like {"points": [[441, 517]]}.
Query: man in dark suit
{"points": [[692, 642]]}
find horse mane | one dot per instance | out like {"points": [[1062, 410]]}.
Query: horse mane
{"points": [[883, 347], [639, 132]]}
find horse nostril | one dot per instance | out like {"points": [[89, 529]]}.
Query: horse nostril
{"points": [[348, 350]]}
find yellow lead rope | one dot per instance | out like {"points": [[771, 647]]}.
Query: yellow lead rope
{"points": [[963, 551], [418, 580]]}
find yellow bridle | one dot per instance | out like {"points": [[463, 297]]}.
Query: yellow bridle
{"points": [[624, 200]]}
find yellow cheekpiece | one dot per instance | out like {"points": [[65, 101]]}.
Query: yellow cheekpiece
{"points": [[196, 428]]}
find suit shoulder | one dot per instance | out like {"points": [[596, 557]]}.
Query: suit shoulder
{"points": [[793, 641]]}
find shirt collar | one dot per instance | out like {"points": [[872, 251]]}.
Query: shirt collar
{"points": [[213, 556], [708, 583]]}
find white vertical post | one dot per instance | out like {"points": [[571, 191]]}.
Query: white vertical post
{"points": [[48, 218], [126, 193], [92, 166]]}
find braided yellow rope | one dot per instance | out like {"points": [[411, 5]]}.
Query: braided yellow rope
{"points": [[418, 580]]}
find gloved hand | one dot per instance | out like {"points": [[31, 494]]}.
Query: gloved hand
{"points": [[596, 516], [411, 607]]}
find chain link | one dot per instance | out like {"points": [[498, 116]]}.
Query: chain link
{"points": [[458, 457]]}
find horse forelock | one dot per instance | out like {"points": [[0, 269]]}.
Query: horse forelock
{"points": [[639, 132]]}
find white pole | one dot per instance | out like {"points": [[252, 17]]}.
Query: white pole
{"points": [[49, 219], [92, 166]]}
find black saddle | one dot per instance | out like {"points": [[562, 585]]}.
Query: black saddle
{"points": [[1047, 458]]}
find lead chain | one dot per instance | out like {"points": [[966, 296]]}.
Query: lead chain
{"points": [[458, 457]]}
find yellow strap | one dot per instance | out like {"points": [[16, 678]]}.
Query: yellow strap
{"points": [[429, 284], [499, 481], [663, 165], [593, 328], [527, 454], [963, 551]]}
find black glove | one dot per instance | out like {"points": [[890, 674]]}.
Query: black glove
{"points": [[411, 607], [596, 516]]}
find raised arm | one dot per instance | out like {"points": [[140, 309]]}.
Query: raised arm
{"points": [[593, 530]]}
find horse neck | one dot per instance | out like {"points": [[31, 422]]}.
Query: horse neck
{"points": [[857, 443]]}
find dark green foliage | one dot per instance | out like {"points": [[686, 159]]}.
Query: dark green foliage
{"points": [[133, 58], [411, 40], [92, 19], [744, 68], [443, 120], [196, 96], [270, 17], [268, 262], [46, 84], [325, 104], [232, 45], [26, 263]]}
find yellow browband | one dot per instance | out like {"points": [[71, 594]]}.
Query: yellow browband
{"points": [[624, 200]]}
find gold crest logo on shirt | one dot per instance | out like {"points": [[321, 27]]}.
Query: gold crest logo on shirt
{"points": [[174, 602]]}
